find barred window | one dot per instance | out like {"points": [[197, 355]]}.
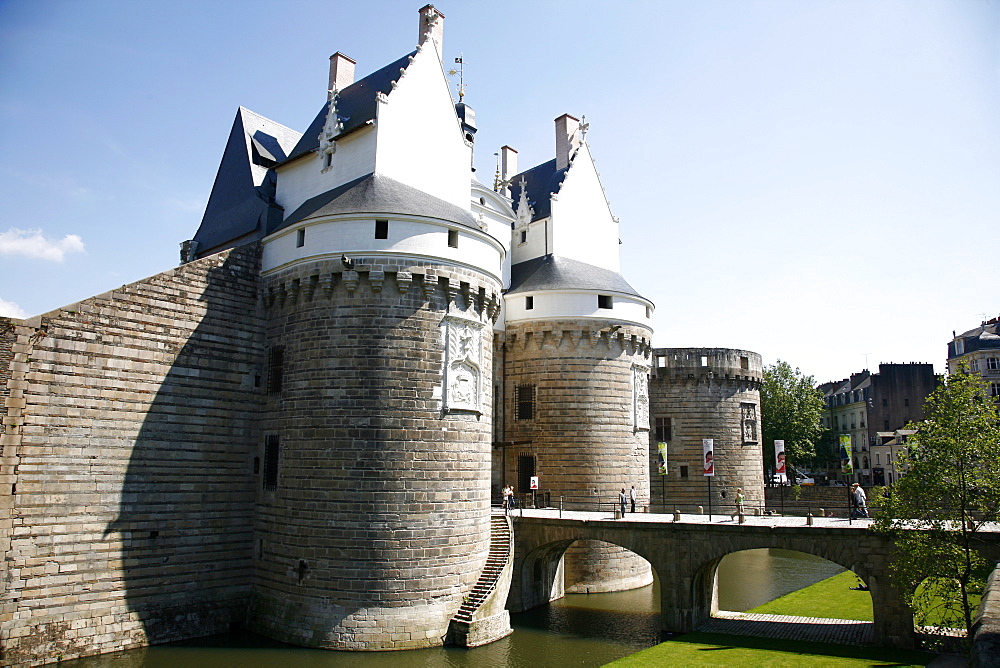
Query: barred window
{"points": [[275, 368], [748, 413], [664, 429], [524, 402], [272, 450]]}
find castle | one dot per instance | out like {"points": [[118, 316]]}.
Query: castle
{"points": [[302, 427]]}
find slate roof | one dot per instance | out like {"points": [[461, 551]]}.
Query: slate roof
{"points": [[375, 193], [356, 105], [541, 182], [242, 199], [551, 272]]}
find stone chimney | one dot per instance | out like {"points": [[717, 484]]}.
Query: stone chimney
{"points": [[508, 163], [341, 71], [431, 27], [567, 139]]}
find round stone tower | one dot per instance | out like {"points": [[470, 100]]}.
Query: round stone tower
{"points": [[373, 517], [705, 393]]}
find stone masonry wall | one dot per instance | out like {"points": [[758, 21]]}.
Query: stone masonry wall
{"points": [[379, 523], [702, 391], [127, 464], [584, 433]]}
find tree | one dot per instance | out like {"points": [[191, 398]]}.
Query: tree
{"points": [[950, 490], [790, 410]]}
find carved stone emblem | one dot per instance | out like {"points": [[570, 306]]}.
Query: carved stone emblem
{"points": [[640, 395], [463, 375]]}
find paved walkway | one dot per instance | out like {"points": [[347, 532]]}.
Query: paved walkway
{"points": [[692, 518], [815, 629]]}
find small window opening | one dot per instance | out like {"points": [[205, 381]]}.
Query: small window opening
{"points": [[453, 238], [704, 360], [300, 238], [684, 471], [272, 449], [604, 301], [256, 465], [661, 362], [524, 402], [301, 570], [529, 303], [275, 369], [381, 229], [524, 236], [327, 160], [744, 363]]}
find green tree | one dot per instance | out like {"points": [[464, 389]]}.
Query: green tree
{"points": [[950, 490], [790, 410]]}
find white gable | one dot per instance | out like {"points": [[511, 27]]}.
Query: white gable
{"points": [[419, 140], [583, 227]]}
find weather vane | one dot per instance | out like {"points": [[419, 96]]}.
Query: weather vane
{"points": [[461, 76], [584, 126]]}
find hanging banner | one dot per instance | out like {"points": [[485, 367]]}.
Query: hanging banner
{"points": [[779, 458], [709, 456], [846, 458], [661, 449]]}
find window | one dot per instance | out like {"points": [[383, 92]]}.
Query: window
{"points": [[275, 368], [525, 471], [661, 362], [327, 160], [272, 449], [744, 363], [885, 402], [886, 425], [906, 401], [974, 366], [877, 458], [300, 238], [529, 303], [664, 429], [524, 402], [524, 236], [604, 301], [995, 389], [381, 229], [862, 420], [453, 238], [748, 413], [684, 471], [993, 363]]}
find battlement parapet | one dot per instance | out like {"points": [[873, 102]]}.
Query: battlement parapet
{"points": [[698, 365]]}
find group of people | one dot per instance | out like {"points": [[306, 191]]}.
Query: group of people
{"points": [[624, 497], [508, 498]]}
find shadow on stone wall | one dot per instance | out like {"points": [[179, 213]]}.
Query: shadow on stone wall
{"points": [[185, 520]]}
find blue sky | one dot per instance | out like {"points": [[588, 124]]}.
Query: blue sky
{"points": [[815, 181]]}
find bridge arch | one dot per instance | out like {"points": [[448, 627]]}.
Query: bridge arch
{"points": [[685, 557]]}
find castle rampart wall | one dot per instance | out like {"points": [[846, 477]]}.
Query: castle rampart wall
{"points": [[127, 464]]}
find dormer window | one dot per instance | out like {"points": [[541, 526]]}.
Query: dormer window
{"points": [[381, 229], [524, 236], [604, 301], [453, 238], [327, 160], [529, 303], [300, 238]]}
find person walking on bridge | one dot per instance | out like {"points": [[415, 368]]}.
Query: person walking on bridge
{"points": [[740, 498], [621, 500], [859, 502], [631, 496]]}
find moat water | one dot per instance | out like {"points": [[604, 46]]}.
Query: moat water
{"points": [[578, 630]]}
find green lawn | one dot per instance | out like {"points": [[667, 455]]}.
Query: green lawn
{"points": [[832, 597], [716, 649]]}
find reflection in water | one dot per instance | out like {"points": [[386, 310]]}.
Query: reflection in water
{"points": [[578, 630]]}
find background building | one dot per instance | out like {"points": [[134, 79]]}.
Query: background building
{"points": [[978, 350]]}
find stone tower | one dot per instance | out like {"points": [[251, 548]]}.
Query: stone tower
{"points": [[700, 393], [575, 355], [380, 289]]}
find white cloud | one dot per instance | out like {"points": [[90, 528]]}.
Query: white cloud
{"points": [[34, 244], [12, 310]]}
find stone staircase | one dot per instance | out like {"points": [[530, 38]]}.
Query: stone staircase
{"points": [[500, 544]]}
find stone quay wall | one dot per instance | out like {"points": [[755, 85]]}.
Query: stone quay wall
{"points": [[588, 428], [378, 523], [706, 393], [126, 474]]}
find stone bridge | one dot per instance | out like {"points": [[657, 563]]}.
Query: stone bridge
{"points": [[686, 557]]}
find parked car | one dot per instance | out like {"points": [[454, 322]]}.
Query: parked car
{"points": [[804, 480]]}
